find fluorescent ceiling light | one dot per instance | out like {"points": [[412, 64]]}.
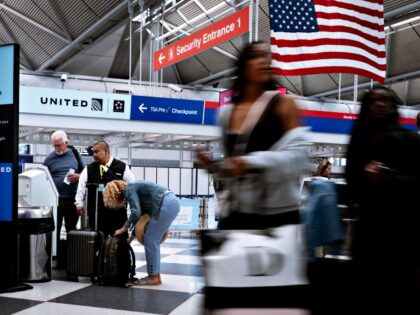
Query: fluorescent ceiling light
{"points": [[416, 18], [195, 19], [142, 16], [146, 13], [175, 87], [150, 33]]}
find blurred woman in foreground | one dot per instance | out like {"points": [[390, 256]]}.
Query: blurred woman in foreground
{"points": [[264, 148]]}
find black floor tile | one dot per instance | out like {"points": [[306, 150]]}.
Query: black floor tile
{"points": [[11, 305], [58, 274], [131, 299], [177, 269]]}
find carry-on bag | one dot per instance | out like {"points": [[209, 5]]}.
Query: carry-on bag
{"points": [[84, 246], [118, 262]]}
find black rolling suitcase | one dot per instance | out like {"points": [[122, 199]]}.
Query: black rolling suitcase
{"points": [[84, 246]]}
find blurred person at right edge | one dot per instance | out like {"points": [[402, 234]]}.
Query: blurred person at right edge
{"points": [[265, 150], [383, 176]]}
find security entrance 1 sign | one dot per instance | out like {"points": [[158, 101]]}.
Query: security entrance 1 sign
{"points": [[212, 35]]}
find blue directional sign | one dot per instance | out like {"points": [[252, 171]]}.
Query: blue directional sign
{"points": [[6, 75], [167, 110]]}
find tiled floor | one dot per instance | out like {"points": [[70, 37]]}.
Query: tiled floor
{"points": [[179, 294]]}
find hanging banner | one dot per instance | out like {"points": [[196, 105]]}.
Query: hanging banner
{"points": [[210, 36]]}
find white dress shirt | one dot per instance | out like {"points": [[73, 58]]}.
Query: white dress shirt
{"points": [[128, 176]]}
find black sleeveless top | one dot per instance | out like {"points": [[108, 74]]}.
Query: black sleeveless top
{"points": [[267, 131]]}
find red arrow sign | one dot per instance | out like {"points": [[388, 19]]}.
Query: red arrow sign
{"points": [[212, 35]]}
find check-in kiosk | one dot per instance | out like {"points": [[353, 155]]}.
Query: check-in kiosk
{"points": [[37, 199], [36, 187]]}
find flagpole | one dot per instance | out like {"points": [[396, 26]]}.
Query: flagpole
{"points": [[356, 81], [339, 88], [251, 2], [257, 9]]}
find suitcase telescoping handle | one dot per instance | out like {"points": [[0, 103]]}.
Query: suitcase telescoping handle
{"points": [[96, 208], [86, 219]]}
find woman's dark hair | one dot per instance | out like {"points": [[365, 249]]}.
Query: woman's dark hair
{"points": [[359, 151], [367, 100], [240, 82]]}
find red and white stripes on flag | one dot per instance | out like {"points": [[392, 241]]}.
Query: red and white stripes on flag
{"points": [[328, 36]]}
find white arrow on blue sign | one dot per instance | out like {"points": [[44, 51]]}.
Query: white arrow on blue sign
{"points": [[142, 108]]}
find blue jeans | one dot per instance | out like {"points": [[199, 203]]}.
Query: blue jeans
{"points": [[169, 209]]}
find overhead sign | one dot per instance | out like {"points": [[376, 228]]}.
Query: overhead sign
{"points": [[225, 97], [337, 122], [211, 110], [212, 35], [167, 110], [6, 77], [37, 100]]}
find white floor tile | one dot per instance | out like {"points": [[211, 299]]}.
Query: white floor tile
{"points": [[140, 263], [192, 306], [69, 309], [182, 241], [182, 259], [47, 290], [163, 250], [135, 243], [177, 283]]}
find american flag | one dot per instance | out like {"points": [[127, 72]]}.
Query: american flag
{"points": [[328, 36]]}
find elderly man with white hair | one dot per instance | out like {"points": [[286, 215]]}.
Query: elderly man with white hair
{"points": [[64, 165]]}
